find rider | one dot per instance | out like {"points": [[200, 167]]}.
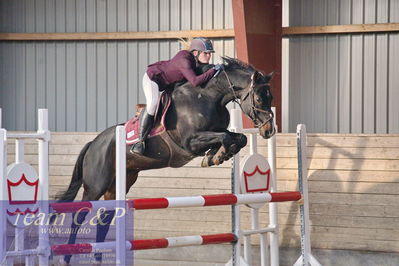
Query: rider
{"points": [[164, 73]]}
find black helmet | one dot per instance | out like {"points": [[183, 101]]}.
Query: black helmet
{"points": [[201, 44]]}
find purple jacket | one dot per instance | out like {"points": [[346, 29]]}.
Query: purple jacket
{"points": [[180, 67]]}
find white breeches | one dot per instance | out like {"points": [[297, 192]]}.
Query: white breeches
{"points": [[152, 94]]}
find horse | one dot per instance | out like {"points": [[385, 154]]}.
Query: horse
{"points": [[196, 125]]}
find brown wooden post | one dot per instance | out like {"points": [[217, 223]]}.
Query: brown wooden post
{"points": [[258, 37]]}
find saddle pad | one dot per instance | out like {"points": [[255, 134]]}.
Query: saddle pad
{"points": [[132, 126]]}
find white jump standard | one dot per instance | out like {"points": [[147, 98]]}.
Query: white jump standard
{"points": [[26, 176]]}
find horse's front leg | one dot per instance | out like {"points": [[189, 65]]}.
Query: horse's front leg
{"points": [[225, 153], [239, 142], [208, 158], [222, 144]]}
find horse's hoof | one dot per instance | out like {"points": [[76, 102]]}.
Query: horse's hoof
{"points": [[218, 157], [96, 262], [218, 160], [207, 161]]}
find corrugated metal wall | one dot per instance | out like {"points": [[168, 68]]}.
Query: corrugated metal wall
{"points": [[346, 83], [90, 85]]}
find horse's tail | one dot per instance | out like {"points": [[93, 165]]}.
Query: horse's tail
{"points": [[77, 178]]}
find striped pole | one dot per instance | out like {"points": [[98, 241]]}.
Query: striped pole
{"points": [[212, 200], [180, 241], [179, 202]]}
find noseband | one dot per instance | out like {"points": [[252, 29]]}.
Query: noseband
{"points": [[250, 92]]}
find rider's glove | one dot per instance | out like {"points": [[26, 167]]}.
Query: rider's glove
{"points": [[219, 67]]}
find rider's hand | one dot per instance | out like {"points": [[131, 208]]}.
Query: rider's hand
{"points": [[219, 67]]}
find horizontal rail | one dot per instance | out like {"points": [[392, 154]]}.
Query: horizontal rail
{"points": [[341, 29], [248, 130], [38, 135], [26, 252], [259, 231], [138, 35], [179, 202], [180, 241]]}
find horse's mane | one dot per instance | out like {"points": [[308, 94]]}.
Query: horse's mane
{"points": [[233, 63]]}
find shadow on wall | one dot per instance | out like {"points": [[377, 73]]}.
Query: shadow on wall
{"points": [[354, 195]]}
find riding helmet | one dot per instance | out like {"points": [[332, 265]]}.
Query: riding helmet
{"points": [[201, 44]]}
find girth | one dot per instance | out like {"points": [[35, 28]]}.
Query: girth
{"points": [[178, 156]]}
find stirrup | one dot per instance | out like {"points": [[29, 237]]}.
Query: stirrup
{"points": [[138, 148]]}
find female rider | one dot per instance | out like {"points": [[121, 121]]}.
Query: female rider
{"points": [[164, 73]]}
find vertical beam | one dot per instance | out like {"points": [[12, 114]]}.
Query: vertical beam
{"points": [[19, 150], [236, 219], [285, 69], [273, 207], [120, 195], [20, 232], [258, 37], [236, 125], [3, 196], [43, 185], [253, 144], [303, 188], [306, 257]]}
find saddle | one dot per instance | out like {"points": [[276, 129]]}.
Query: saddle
{"points": [[132, 126]]}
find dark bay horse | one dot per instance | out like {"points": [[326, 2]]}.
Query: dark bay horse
{"points": [[196, 123]]}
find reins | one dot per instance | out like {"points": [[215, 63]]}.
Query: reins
{"points": [[231, 86], [250, 92]]}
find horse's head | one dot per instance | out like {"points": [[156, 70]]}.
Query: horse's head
{"points": [[256, 101], [252, 88]]}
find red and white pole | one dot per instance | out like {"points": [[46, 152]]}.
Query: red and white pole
{"points": [[212, 200], [181, 241], [181, 202]]}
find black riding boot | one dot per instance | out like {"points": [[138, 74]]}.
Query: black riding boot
{"points": [[145, 128]]}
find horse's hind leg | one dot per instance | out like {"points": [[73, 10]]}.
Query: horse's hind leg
{"points": [[79, 217], [107, 216], [77, 220], [103, 223]]}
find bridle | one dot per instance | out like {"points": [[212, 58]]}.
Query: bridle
{"points": [[251, 94]]}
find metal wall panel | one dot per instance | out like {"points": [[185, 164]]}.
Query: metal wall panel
{"points": [[393, 80], [90, 85], [342, 12], [345, 83]]}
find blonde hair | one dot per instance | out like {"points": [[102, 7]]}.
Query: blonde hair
{"points": [[185, 43]]}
